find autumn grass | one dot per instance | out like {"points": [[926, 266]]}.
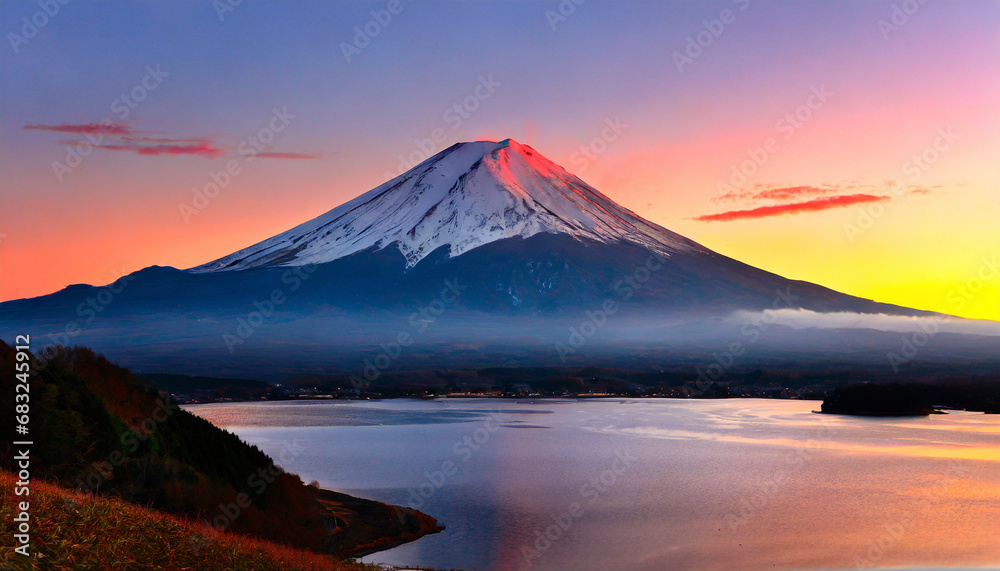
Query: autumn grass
{"points": [[70, 530]]}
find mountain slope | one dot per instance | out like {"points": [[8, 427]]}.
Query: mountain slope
{"points": [[534, 250], [518, 231], [466, 196], [545, 274], [524, 234], [76, 531]]}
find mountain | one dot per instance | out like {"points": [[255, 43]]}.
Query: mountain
{"points": [[485, 253], [469, 195], [528, 234]]}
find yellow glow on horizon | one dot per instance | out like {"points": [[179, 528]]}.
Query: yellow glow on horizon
{"points": [[936, 253]]}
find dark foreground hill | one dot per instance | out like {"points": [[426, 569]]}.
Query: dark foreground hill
{"points": [[72, 530], [98, 429]]}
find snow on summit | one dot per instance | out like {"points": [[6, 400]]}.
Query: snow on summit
{"points": [[468, 195]]}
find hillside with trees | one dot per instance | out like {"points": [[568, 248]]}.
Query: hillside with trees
{"points": [[99, 429]]}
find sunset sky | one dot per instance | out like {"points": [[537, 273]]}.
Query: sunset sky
{"points": [[868, 132]]}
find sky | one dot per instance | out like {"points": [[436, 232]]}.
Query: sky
{"points": [[850, 144]]}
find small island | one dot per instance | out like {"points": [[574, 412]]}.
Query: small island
{"points": [[872, 399]]}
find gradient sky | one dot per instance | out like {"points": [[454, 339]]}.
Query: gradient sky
{"points": [[931, 239]]}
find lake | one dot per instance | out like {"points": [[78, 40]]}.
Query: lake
{"points": [[650, 483]]}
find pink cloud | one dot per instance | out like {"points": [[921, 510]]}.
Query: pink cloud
{"points": [[161, 140], [202, 148], [123, 138], [273, 155], [107, 128], [794, 208]]}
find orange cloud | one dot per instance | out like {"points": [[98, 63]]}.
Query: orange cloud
{"points": [[783, 193], [793, 208]]}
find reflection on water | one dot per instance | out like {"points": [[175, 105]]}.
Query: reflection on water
{"points": [[652, 484]]}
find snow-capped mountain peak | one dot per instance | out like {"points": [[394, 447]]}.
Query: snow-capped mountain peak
{"points": [[466, 196]]}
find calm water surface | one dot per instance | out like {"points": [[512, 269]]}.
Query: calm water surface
{"points": [[650, 484]]}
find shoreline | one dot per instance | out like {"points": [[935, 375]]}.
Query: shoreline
{"points": [[361, 526], [937, 410], [497, 397]]}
